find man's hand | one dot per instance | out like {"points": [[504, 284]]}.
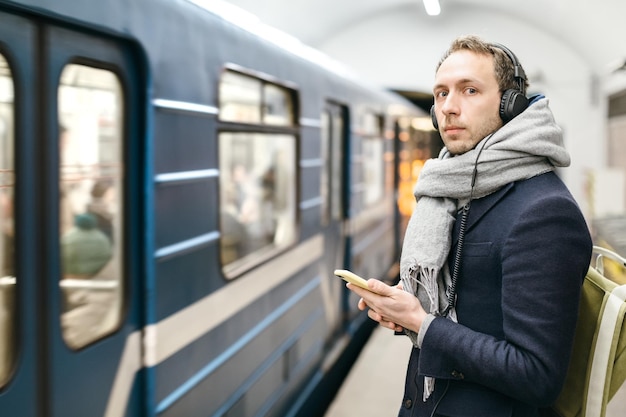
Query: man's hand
{"points": [[391, 307]]}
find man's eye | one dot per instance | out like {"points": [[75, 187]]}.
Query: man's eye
{"points": [[442, 94], [471, 90]]}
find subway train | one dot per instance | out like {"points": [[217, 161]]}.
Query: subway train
{"points": [[179, 182]]}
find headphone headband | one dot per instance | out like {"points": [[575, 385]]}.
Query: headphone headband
{"points": [[520, 75]]}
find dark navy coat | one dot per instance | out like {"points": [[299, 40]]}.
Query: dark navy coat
{"points": [[527, 249]]}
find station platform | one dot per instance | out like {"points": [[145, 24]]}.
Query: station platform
{"points": [[375, 384]]}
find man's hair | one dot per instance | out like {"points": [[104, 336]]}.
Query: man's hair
{"points": [[503, 65]]}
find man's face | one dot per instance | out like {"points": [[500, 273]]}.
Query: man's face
{"points": [[467, 100]]}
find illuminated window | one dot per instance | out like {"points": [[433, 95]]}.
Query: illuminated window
{"points": [[257, 197], [91, 203], [257, 172], [333, 121], [373, 158], [325, 118], [246, 99], [8, 336], [277, 105], [336, 166]]}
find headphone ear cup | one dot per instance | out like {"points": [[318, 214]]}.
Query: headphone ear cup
{"points": [[433, 117], [512, 103]]}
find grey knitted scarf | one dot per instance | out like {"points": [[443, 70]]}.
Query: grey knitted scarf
{"points": [[529, 145]]}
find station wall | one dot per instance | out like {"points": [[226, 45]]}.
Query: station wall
{"points": [[401, 48]]}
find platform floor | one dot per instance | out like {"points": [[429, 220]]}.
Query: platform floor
{"points": [[375, 383]]}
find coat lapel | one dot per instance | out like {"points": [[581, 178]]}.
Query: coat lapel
{"points": [[479, 208]]}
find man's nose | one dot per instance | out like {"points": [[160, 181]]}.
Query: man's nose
{"points": [[450, 105]]}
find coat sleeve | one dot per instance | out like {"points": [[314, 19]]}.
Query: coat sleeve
{"points": [[544, 258]]}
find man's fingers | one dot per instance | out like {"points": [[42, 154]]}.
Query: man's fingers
{"points": [[379, 287]]}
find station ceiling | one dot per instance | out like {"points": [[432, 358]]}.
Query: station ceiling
{"points": [[595, 29]]}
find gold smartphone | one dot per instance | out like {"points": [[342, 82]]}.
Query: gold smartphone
{"points": [[352, 278]]}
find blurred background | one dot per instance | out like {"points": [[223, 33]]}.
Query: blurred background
{"points": [[573, 52]]}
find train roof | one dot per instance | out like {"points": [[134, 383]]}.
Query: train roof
{"points": [[177, 28], [287, 42]]}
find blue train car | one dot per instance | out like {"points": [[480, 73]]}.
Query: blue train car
{"points": [[178, 183]]}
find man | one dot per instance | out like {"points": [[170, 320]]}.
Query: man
{"points": [[492, 325]]}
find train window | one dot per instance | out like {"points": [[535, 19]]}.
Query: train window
{"points": [[249, 100], [257, 197], [373, 158], [7, 273], [240, 98], [91, 203], [277, 105]]}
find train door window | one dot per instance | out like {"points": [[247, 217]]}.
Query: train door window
{"points": [[7, 272], [325, 153], [91, 203], [337, 166], [332, 141], [373, 158], [257, 160]]}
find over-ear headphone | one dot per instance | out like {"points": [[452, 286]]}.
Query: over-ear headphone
{"points": [[513, 101]]}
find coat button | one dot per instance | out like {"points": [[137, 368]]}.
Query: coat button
{"points": [[408, 403], [457, 375]]}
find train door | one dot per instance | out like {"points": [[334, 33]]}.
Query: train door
{"points": [[92, 224], [20, 390], [334, 127], [70, 286]]}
